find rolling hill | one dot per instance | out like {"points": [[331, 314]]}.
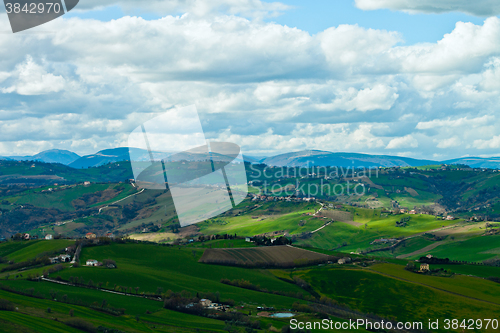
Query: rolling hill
{"points": [[324, 158], [477, 162], [48, 156]]}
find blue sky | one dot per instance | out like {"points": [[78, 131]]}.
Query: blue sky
{"points": [[392, 77]]}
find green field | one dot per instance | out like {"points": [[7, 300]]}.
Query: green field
{"points": [[370, 291], [474, 249]]}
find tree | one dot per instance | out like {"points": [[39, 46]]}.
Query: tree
{"points": [[71, 313], [137, 290], [410, 266]]}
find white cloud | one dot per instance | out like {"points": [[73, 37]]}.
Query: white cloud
{"points": [[476, 7], [380, 97], [406, 141], [32, 79], [448, 143], [350, 48], [266, 86], [460, 122], [494, 143]]}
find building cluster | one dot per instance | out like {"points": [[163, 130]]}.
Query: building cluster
{"points": [[93, 262], [60, 259], [384, 241], [208, 304], [345, 260], [263, 197]]}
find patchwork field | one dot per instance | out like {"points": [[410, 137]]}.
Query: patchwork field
{"points": [[270, 256]]}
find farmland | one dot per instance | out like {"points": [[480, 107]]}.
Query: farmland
{"points": [[278, 256], [149, 268]]}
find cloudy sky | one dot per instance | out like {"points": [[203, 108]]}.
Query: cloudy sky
{"points": [[395, 77]]}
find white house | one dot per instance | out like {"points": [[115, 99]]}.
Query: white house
{"points": [[92, 262], [48, 237]]}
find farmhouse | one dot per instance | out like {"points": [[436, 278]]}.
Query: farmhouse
{"points": [[90, 235], [205, 302], [345, 260], [248, 239], [65, 258], [48, 237], [26, 236], [424, 268], [429, 256], [92, 262]]}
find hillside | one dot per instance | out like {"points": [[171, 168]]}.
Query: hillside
{"points": [[49, 156], [152, 286], [324, 158], [476, 162]]}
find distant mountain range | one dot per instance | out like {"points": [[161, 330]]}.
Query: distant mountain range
{"points": [[300, 158], [109, 156], [324, 158], [49, 156], [477, 162]]}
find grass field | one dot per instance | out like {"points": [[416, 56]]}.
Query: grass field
{"points": [[383, 289], [152, 266], [475, 249], [372, 292], [475, 270], [32, 313], [373, 227], [24, 250]]}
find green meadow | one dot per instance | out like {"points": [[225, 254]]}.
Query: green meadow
{"points": [[392, 296]]}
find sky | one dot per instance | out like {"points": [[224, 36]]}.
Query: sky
{"points": [[396, 77]]}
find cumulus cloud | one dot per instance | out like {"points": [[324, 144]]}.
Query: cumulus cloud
{"points": [[407, 141], [477, 7], [263, 85], [448, 143], [32, 79], [380, 97], [494, 143]]}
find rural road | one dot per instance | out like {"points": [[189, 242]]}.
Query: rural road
{"points": [[100, 209], [103, 290], [312, 232], [422, 250]]}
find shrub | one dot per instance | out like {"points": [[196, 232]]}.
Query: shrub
{"points": [[6, 305], [81, 324]]}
